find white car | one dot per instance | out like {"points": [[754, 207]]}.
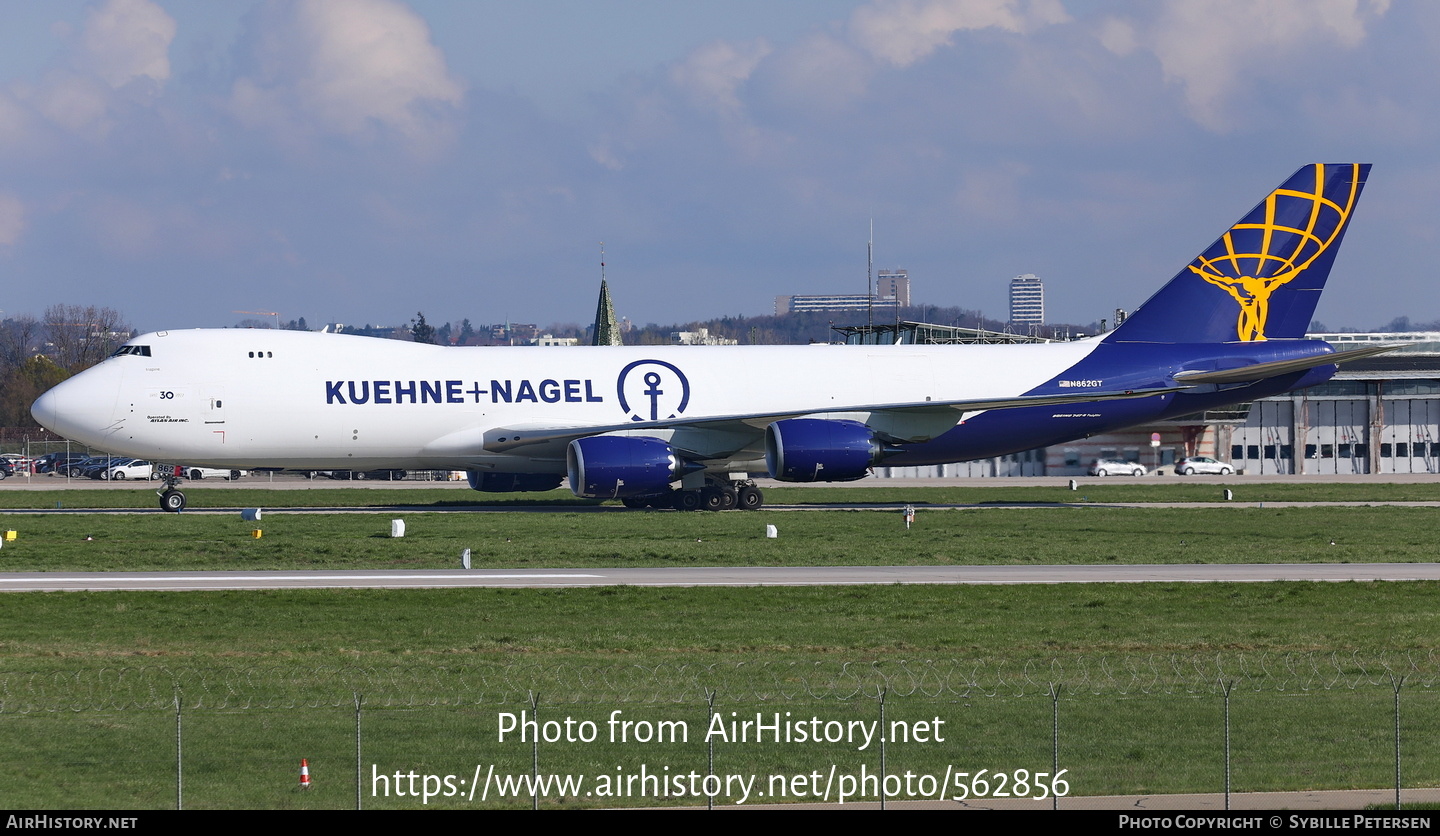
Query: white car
{"points": [[191, 471], [1116, 467], [123, 469], [1202, 464]]}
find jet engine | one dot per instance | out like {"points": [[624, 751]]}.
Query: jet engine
{"points": [[616, 466], [817, 450], [512, 482]]}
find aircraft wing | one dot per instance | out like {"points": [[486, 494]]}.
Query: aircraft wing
{"points": [[720, 435], [1260, 371]]}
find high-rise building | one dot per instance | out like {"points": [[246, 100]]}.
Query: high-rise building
{"points": [[1027, 300]]}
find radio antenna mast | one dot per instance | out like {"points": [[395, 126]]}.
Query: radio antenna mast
{"points": [[870, 282]]}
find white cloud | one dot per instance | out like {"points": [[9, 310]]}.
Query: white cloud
{"points": [[1118, 36], [346, 68], [711, 75], [1210, 48], [819, 72], [902, 32], [74, 102], [125, 39], [121, 41]]}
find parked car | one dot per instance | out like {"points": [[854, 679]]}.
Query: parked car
{"points": [[91, 466], [6, 468], [53, 463], [1116, 467], [1202, 464], [121, 469], [191, 471], [19, 463]]}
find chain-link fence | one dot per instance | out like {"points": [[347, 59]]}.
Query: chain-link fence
{"points": [[1059, 733]]}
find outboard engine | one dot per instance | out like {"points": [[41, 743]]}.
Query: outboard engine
{"points": [[608, 466], [817, 450]]}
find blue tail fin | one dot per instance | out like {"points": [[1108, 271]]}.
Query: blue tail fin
{"points": [[1262, 279]]}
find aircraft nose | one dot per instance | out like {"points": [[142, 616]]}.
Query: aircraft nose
{"points": [[78, 409], [46, 409]]}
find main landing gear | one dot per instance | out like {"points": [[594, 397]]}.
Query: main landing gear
{"points": [[171, 499], [715, 496]]}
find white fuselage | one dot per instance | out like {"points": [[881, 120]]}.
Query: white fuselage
{"points": [[284, 399]]}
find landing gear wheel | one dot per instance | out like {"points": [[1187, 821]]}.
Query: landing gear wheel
{"points": [[728, 499], [712, 499], [687, 500], [634, 502], [749, 499], [172, 500]]}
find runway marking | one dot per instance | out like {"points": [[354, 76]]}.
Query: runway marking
{"points": [[726, 576]]}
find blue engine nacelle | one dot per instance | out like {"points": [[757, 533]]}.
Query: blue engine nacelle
{"points": [[608, 466], [816, 450], [512, 482]]}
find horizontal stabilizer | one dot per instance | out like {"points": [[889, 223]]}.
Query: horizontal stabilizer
{"points": [[1261, 371]]}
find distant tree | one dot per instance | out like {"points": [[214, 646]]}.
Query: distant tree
{"points": [[81, 336], [420, 331], [301, 326], [19, 340], [22, 384], [257, 324], [467, 333]]}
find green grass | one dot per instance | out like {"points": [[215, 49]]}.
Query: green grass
{"points": [[298, 540], [623, 624], [88, 680], [322, 495], [267, 678]]}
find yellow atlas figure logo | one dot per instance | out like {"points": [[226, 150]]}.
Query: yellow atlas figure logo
{"points": [[1295, 225]]}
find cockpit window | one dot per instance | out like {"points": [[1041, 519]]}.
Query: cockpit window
{"points": [[141, 350]]}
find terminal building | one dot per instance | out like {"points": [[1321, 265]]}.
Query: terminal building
{"points": [[1377, 415]]}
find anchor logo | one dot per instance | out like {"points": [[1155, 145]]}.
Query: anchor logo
{"points": [[654, 392]]}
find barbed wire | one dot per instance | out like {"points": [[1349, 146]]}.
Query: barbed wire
{"points": [[399, 686]]}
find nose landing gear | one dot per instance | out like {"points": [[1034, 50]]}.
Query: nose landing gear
{"points": [[171, 499]]}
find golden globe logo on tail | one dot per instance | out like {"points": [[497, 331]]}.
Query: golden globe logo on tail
{"points": [[1296, 226]]}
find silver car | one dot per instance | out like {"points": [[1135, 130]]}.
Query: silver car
{"points": [[1202, 464], [1116, 467]]}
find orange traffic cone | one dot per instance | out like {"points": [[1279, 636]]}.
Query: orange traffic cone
{"points": [[304, 774]]}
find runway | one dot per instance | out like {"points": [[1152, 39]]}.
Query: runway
{"points": [[718, 576]]}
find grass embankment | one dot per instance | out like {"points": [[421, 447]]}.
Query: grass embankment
{"points": [[15, 496], [267, 678], [297, 540]]}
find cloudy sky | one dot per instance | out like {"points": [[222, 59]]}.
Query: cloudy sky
{"points": [[358, 161]]}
